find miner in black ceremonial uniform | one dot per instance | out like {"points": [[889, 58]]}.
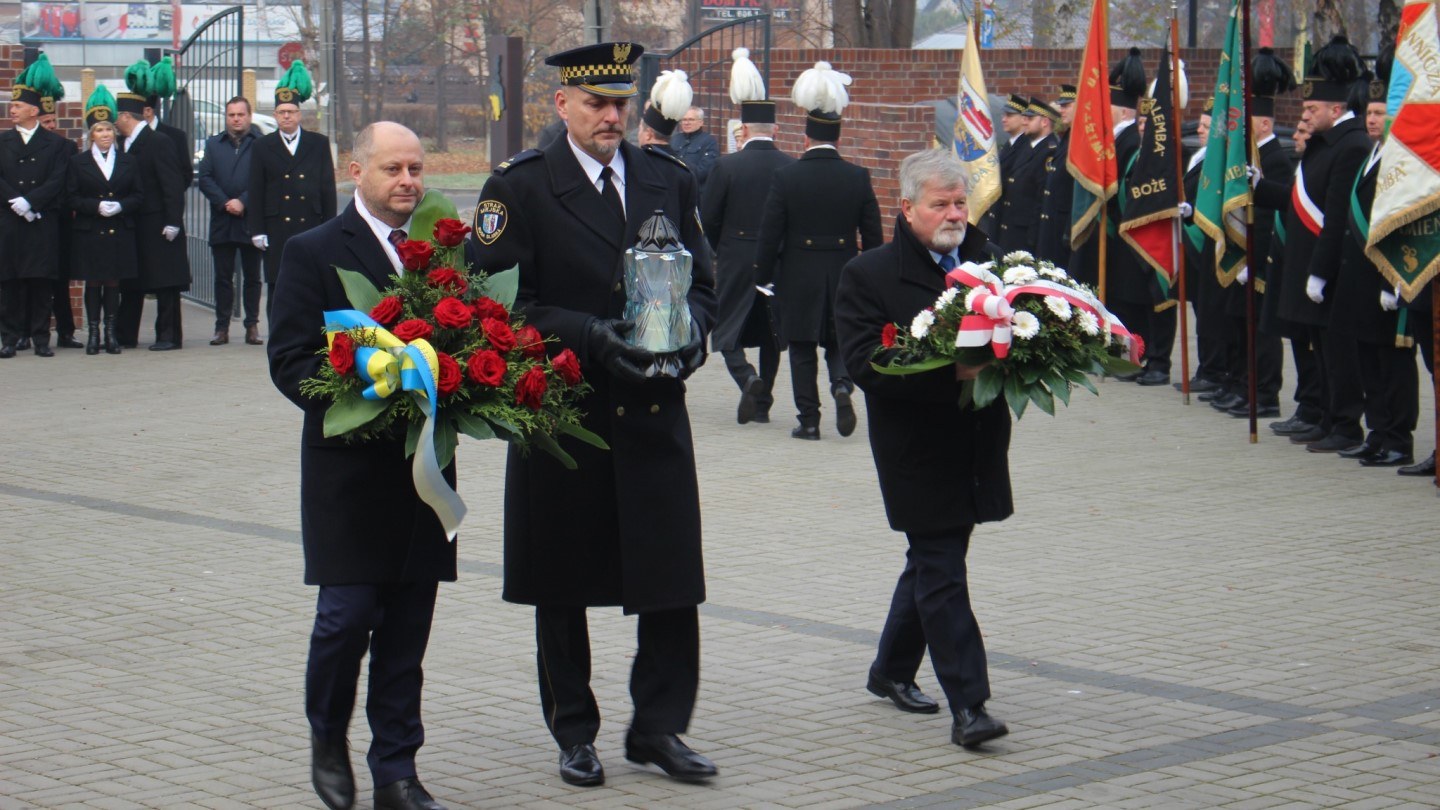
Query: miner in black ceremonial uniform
{"points": [[60, 290], [162, 88], [292, 178], [33, 162], [624, 528], [816, 207], [1025, 181], [1052, 243], [733, 204], [1016, 146]]}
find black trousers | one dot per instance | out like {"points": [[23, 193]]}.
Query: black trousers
{"points": [[1157, 329], [225, 255], [741, 371], [1269, 362], [25, 311], [393, 623], [804, 376], [1309, 380], [60, 305], [931, 608], [664, 678], [1213, 338], [1344, 393], [132, 306], [1392, 386], [167, 317]]}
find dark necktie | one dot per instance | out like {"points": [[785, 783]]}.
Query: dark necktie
{"points": [[396, 237], [289, 139], [947, 262], [610, 193]]}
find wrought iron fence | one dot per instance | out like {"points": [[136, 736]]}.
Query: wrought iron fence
{"points": [[711, 76]]}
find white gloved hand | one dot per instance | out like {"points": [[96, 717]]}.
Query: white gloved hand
{"points": [[1315, 289], [1186, 210], [20, 206], [260, 241], [1253, 172], [1389, 301], [1244, 276], [109, 208], [31, 216], [170, 232]]}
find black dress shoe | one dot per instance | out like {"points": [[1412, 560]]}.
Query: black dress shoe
{"points": [[330, 773], [749, 400], [1425, 468], [1388, 458], [44, 350], [164, 346], [129, 345], [761, 417], [807, 432], [1334, 443], [1263, 412], [580, 765], [7, 352], [1360, 452], [973, 726], [68, 342], [1291, 426], [1153, 377], [1130, 376], [669, 754], [907, 697], [1198, 385], [22, 344], [1225, 402], [1314, 434], [407, 794], [844, 411]]}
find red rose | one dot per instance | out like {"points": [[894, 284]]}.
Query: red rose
{"points": [[486, 368], [490, 308], [530, 341], [452, 313], [499, 334], [413, 329], [414, 254], [447, 277], [342, 354], [450, 232], [887, 336], [448, 382], [567, 366], [387, 310], [530, 389]]}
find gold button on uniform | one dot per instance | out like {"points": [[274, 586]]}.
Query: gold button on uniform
{"points": [[617, 286], [620, 411], [654, 409]]}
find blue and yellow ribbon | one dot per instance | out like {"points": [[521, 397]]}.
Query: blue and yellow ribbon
{"points": [[392, 366]]}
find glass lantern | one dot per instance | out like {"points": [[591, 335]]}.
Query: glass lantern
{"points": [[657, 286]]}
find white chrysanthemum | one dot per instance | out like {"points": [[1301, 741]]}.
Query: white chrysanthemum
{"points": [[945, 299], [1052, 272], [971, 296], [1025, 325], [1059, 306], [1021, 274], [1016, 256], [920, 327], [1089, 324]]}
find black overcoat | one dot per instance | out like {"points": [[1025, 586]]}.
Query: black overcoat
{"points": [[35, 171], [184, 157], [1052, 243], [103, 248], [731, 209], [361, 520], [624, 528], [1128, 278], [225, 176], [1332, 159], [289, 194], [164, 264], [1275, 162], [1024, 194], [815, 207], [1356, 311], [941, 466]]}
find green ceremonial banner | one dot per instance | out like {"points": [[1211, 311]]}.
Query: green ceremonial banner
{"points": [[1224, 189]]}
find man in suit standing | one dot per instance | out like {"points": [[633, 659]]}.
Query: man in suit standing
{"points": [[1052, 243], [378, 570], [159, 237], [1016, 146], [292, 178], [629, 530], [696, 147], [225, 182], [815, 208], [33, 162], [943, 466], [1025, 182], [730, 211]]}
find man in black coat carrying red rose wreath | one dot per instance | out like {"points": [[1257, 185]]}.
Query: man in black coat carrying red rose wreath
{"points": [[943, 466], [375, 549], [624, 528]]}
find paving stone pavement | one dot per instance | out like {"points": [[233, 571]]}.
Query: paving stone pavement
{"points": [[1175, 617]]}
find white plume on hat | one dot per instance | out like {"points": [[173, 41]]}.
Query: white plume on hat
{"points": [[672, 94], [746, 83], [822, 88], [1181, 81]]}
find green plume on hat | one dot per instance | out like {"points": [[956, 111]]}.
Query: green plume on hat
{"points": [[137, 78], [162, 78], [101, 98], [297, 79], [41, 77]]}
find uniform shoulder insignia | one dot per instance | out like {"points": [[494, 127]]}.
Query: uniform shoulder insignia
{"points": [[655, 150], [514, 160]]}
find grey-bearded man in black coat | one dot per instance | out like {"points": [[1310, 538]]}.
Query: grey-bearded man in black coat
{"points": [[943, 465]]}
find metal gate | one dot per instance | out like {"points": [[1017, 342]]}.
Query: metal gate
{"points": [[209, 71], [706, 58]]}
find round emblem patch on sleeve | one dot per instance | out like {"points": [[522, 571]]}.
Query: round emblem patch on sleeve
{"points": [[490, 219]]}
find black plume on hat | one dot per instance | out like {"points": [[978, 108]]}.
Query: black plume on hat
{"points": [[1128, 78], [1360, 92], [1384, 62], [1337, 62], [1272, 76]]}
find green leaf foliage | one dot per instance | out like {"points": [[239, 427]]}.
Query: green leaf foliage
{"points": [[351, 412], [358, 290], [473, 426], [549, 445], [433, 207], [583, 435], [504, 286], [929, 364], [988, 386]]}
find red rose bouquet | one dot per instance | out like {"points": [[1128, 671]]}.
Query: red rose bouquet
{"points": [[439, 353], [1037, 332]]}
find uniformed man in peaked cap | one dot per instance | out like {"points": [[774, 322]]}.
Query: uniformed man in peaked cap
{"points": [[1016, 146], [628, 533], [1052, 243], [1025, 181]]}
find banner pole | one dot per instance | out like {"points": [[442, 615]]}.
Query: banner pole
{"points": [[1179, 249], [1249, 134]]}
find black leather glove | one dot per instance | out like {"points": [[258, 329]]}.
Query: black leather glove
{"points": [[692, 355], [623, 361]]}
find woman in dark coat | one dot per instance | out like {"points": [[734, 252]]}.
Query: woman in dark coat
{"points": [[104, 190]]}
